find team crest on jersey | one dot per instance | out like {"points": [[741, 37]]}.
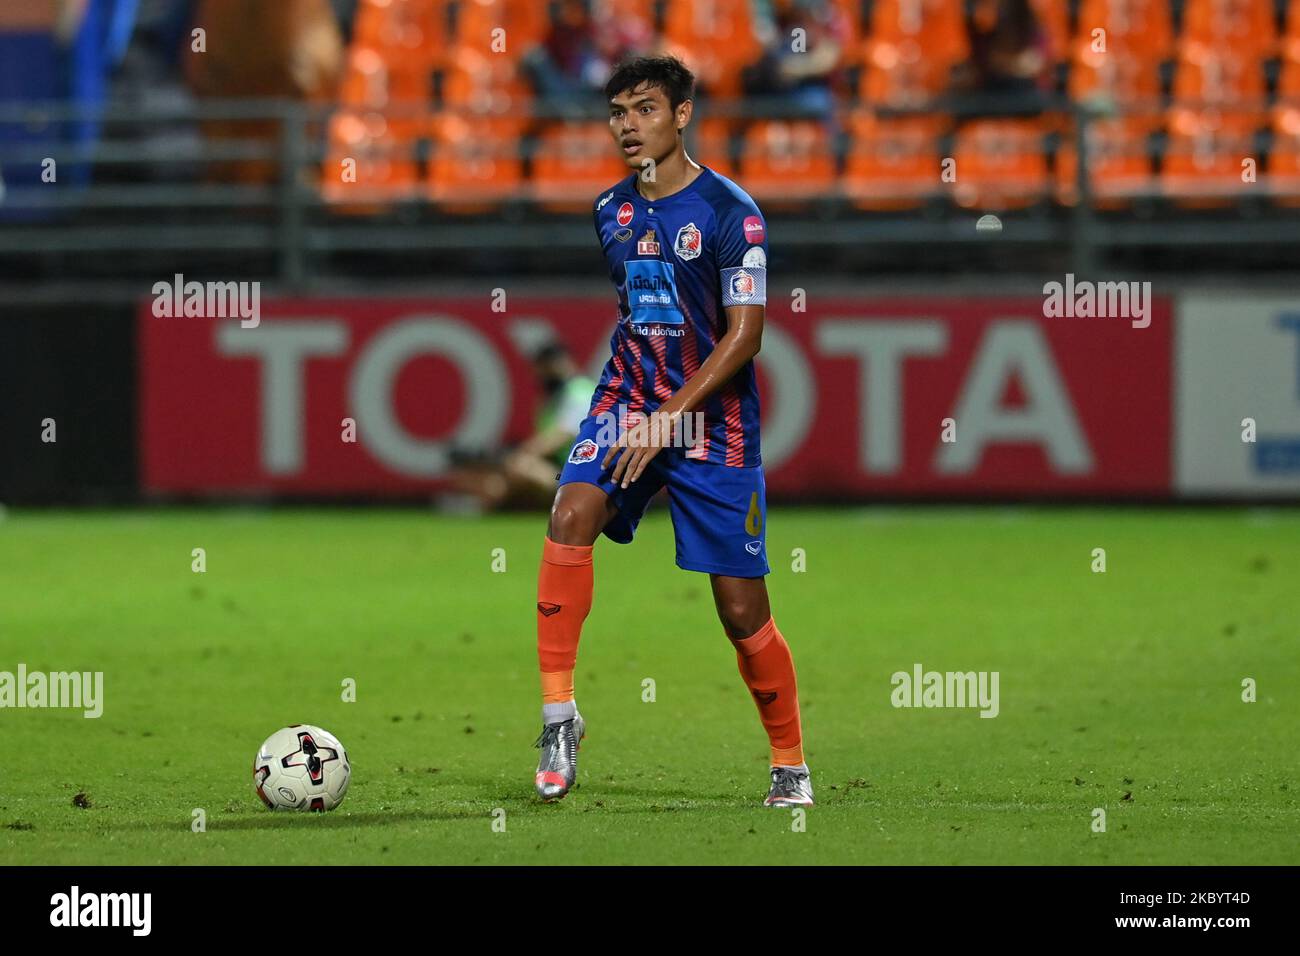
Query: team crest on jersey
{"points": [[742, 286], [583, 452], [689, 242], [647, 245], [624, 214]]}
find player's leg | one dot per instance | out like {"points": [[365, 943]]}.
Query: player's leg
{"points": [[767, 668], [720, 523], [565, 584]]}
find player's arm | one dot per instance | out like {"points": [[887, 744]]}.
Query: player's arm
{"points": [[738, 345]]}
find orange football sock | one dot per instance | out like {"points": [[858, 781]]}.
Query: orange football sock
{"points": [[564, 588], [768, 670]]}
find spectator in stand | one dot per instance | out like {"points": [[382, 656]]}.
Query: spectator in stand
{"points": [[798, 73], [570, 66], [1010, 58]]}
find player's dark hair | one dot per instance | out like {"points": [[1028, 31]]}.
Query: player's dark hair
{"points": [[666, 72]]}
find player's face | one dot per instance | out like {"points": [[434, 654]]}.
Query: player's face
{"points": [[643, 125]]}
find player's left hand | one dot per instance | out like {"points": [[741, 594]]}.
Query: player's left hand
{"points": [[637, 446]]}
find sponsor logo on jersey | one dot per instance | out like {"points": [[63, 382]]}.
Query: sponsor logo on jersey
{"points": [[755, 259], [753, 547], [689, 242], [651, 290], [623, 235], [742, 286], [604, 199], [753, 227], [547, 608], [647, 245], [624, 214], [583, 452]]}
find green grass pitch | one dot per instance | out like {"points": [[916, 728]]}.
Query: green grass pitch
{"points": [[1120, 690]]}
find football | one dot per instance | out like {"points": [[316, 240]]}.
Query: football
{"points": [[301, 768]]}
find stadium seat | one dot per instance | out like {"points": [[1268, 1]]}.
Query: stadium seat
{"points": [[717, 39], [892, 164], [412, 32], [524, 23], [1116, 79], [1119, 164], [485, 86], [709, 143], [1203, 157], [1136, 27], [938, 26], [473, 167], [572, 164], [1000, 164], [385, 166], [787, 163], [1245, 27], [1207, 77], [1283, 175], [901, 74]]}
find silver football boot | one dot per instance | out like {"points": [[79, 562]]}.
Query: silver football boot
{"points": [[557, 770], [790, 788]]}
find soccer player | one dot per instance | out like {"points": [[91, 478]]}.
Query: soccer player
{"points": [[687, 252]]}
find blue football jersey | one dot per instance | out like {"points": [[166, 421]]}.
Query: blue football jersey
{"points": [[677, 262]]}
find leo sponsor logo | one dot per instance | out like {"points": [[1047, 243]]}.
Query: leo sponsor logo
{"points": [[583, 452], [647, 245], [624, 214], [754, 230], [689, 242]]}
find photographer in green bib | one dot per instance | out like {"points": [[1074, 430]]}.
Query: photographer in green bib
{"points": [[524, 476]]}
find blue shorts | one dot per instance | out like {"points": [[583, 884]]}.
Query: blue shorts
{"points": [[719, 513]]}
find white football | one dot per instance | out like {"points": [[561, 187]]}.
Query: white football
{"points": [[301, 768]]}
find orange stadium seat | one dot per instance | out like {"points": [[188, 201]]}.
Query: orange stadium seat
{"points": [[715, 38], [524, 22], [1136, 27], [902, 75], [1208, 77], [1121, 79], [488, 87], [787, 162], [937, 26], [1291, 36], [372, 81], [850, 12], [573, 163], [411, 31], [709, 143], [1000, 164], [1284, 158], [473, 167], [892, 164], [1119, 164], [1203, 157], [1288, 83], [1243, 26], [385, 165]]}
